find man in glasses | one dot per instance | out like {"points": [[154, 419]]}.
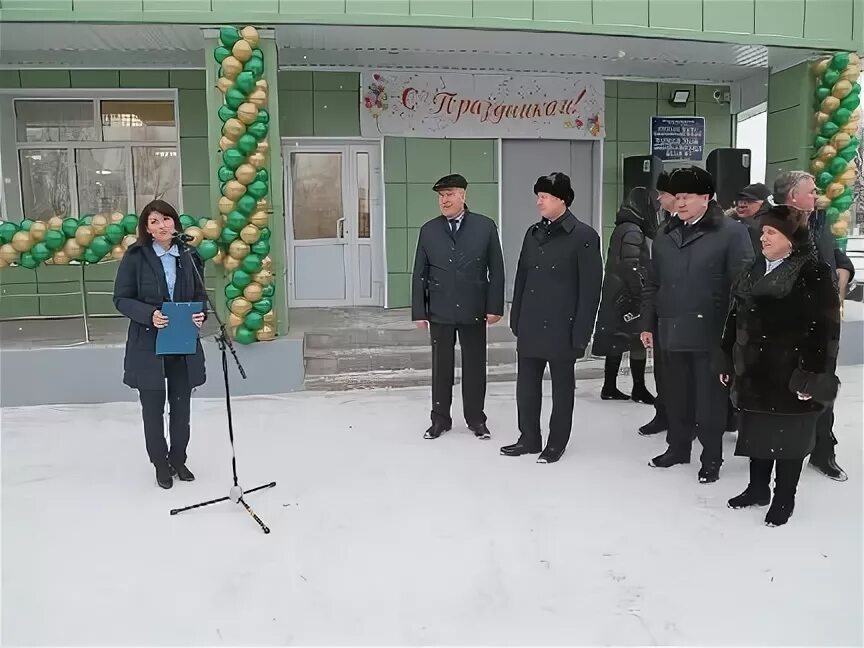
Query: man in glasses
{"points": [[750, 203]]}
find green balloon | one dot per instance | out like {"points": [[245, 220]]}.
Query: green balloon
{"points": [[269, 291], [225, 174], [207, 249], [229, 235], [841, 116], [251, 263], [842, 202], [257, 53], [255, 68], [837, 166], [26, 224], [258, 130], [7, 231], [40, 252], [856, 88], [818, 143], [91, 257], [245, 82], [263, 175], [265, 233], [824, 179], [848, 153], [247, 143], [114, 233], [54, 239], [232, 291], [257, 189], [244, 335], [233, 159], [86, 219], [100, 246], [253, 321], [221, 53], [822, 93], [261, 248], [234, 98], [186, 221], [246, 205], [840, 61], [829, 129], [28, 261], [830, 77], [130, 224], [263, 116], [851, 102], [832, 214], [241, 278], [236, 221], [263, 305], [228, 36], [202, 222], [226, 113]]}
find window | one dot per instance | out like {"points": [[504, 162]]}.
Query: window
{"points": [[89, 156]]}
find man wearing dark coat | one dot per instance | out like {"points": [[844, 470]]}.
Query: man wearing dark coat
{"points": [[695, 259], [555, 300], [458, 289]]}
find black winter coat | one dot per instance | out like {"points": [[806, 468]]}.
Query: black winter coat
{"points": [[557, 289], [781, 337], [753, 225], [139, 290], [686, 294], [627, 261], [458, 279]]}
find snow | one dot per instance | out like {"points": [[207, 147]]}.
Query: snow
{"points": [[382, 537]]}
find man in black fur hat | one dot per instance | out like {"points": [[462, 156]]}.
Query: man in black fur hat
{"points": [[458, 289], [695, 259], [555, 299]]}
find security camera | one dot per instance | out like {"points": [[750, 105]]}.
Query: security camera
{"points": [[722, 97]]}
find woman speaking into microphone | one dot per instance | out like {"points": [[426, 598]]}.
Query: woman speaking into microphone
{"points": [[155, 270]]}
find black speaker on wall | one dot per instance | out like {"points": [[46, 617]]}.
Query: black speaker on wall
{"points": [[641, 171], [730, 168]]}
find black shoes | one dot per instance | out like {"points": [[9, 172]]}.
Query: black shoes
{"points": [[183, 473], [829, 468], [780, 511], [612, 393], [653, 427], [751, 497], [640, 394], [550, 455], [670, 458], [163, 476], [436, 430], [709, 473], [521, 448], [480, 431]]}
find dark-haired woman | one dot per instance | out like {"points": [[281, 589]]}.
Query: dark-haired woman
{"points": [[780, 344], [154, 271]]}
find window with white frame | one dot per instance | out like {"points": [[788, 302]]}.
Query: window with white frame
{"points": [[89, 156]]}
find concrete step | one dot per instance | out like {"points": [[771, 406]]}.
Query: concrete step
{"points": [[341, 360], [405, 334]]}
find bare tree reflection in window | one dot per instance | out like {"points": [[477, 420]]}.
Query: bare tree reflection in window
{"points": [[316, 181], [157, 176], [102, 186], [45, 183]]}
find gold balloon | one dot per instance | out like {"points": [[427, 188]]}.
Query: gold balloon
{"points": [[820, 66], [830, 104], [247, 113], [219, 259], [267, 263], [55, 223], [84, 235], [821, 118], [840, 229], [263, 277], [841, 89], [250, 234], [230, 263], [226, 143], [233, 190], [253, 292], [234, 128], [128, 240], [240, 306], [250, 35], [238, 249], [196, 234], [263, 147], [234, 320], [270, 317], [823, 202], [817, 167], [827, 153], [231, 67], [851, 128], [851, 74], [116, 217], [224, 84], [834, 189], [258, 160], [38, 230], [212, 230], [3, 263], [841, 141], [854, 59], [117, 252], [265, 333], [61, 258], [259, 219], [8, 253], [258, 97], [263, 205], [245, 174], [851, 165], [242, 51], [262, 85], [73, 249], [226, 205], [846, 216], [847, 178], [22, 242], [856, 114], [99, 224]]}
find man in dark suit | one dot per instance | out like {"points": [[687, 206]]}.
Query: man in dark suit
{"points": [[555, 299], [458, 289]]}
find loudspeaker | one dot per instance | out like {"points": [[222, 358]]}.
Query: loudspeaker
{"points": [[730, 169], [641, 171]]}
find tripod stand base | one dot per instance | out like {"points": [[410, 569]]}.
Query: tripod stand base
{"points": [[235, 496]]}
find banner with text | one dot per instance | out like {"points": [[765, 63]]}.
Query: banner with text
{"points": [[481, 105]]}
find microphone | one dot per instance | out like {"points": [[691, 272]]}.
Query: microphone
{"points": [[181, 237]]}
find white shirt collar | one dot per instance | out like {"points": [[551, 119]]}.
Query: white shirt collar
{"points": [[160, 251]]}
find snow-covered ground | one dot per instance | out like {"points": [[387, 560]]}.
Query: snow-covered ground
{"points": [[380, 537]]}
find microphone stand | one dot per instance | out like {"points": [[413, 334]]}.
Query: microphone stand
{"points": [[235, 494]]}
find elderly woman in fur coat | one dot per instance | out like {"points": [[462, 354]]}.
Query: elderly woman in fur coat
{"points": [[779, 342]]}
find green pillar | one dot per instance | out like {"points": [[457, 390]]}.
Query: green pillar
{"points": [[790, 121]]}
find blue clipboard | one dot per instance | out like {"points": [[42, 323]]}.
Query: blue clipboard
{"points": [[180, 337]]}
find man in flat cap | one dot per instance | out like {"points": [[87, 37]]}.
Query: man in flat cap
{"points": [[457, 290], [750, 203], [695, 259], [555, 299]]}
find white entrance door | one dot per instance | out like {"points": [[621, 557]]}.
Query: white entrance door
{"points": [[333, 198]]}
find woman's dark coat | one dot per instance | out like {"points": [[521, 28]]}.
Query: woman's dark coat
{"points": [[781, 337], [139, 290]]}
